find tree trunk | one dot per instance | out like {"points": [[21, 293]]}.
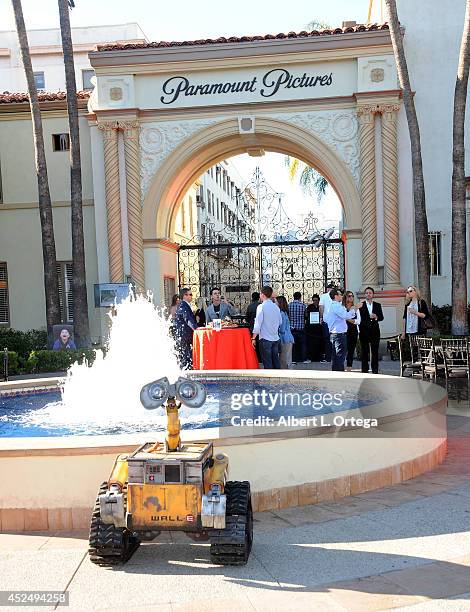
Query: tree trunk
{"points": [[419, 199], [459, 225], [80, 301], [51, 284]]}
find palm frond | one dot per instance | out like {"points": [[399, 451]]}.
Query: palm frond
{"points": [[317, 24]]}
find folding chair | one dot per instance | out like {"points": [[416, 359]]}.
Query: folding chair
{"points": [[430, 365], [406, 362], [456, 357]]}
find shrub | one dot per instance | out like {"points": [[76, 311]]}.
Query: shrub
{"points": [[57, 361], [22, 343]]}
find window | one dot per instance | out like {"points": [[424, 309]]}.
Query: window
{"points": [[218, 209], [39, 80], [435, 253], [208, 200], [4, 308], [60, 142], [169, 290], [86, 79], [64, 276]]}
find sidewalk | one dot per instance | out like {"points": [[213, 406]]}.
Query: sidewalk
{"points": [[407, 545]]}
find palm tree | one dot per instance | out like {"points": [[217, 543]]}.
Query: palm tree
{"points": [[317, 25], [51, 283], [311, 181], [459, 226], [80, 302], [419, 197]]}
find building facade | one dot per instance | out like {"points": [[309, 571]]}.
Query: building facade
{"points": [[162, 114]]}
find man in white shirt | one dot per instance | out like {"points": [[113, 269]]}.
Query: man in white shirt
{"points": [[325, 303], [336, 320], [267, 322]]}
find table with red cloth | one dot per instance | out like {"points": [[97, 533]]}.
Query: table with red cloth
{"points": [[227, 349]]}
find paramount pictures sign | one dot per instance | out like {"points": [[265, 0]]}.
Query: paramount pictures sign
{"points": [[238, 86]]}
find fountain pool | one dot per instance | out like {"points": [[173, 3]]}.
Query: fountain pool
{"points": [[313, 436]]}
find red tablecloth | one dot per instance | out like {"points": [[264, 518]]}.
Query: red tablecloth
{"points": [[227, 349]]}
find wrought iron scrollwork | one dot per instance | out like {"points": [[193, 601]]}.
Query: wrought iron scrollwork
{"points": [[259, 243]]}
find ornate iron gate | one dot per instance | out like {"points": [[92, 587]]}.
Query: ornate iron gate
{"points": [[259, 244]]}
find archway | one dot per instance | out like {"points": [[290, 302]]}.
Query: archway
{"points": [[222, 140]]}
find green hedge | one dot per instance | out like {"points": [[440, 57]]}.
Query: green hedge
{"points": [[57, 361], [46, 361], [22, 343]]}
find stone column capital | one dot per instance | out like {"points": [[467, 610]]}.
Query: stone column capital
{"points": [[389, 111], [108, 126], [366, 113]]}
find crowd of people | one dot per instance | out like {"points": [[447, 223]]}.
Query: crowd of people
{"points": [[283, 333]]}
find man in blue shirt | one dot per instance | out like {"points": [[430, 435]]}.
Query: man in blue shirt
{"points": [[267, 322], [336, 320]]}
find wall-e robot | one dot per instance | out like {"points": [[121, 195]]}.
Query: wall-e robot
{"points": [[172, 486]]}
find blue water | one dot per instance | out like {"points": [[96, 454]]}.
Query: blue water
{"points": [[20, 415]]}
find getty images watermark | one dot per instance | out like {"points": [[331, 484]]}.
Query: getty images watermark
{"points": [[263, 400]]}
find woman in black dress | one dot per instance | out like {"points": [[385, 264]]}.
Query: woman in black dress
{"points": [[200, 313], [352, 332], [416, 316]]}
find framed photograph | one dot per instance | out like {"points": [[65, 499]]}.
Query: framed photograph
{"points": [[63, 337], [109, 294]]}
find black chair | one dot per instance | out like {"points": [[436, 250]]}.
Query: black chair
{"points": [[406, 358], [456, 357], [431, 365]]}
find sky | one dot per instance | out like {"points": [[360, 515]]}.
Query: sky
{"points": [[191, 20]]}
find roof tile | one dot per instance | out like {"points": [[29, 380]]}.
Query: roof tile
{"points": [[234, 39]]}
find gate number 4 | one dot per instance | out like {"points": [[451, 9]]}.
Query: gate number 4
{"points": [[289, 271]]}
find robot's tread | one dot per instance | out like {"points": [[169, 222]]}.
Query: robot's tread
{"points": [[109, 545], [232, 545]]}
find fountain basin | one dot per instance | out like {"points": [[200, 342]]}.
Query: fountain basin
{"points": [[51, 483]]}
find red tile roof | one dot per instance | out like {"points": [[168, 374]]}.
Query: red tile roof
{"points": [[235, 39], [46, 96]]}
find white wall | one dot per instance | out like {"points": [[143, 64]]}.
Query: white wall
{"points": [[12, 77], [432, 41], [20, 232]]}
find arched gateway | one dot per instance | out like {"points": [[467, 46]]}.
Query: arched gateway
{"points": [[161, 114]]}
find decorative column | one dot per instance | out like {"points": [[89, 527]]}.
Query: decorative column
{"points": [[368, 194], [390, 193], [113, 203], [134, 207]]}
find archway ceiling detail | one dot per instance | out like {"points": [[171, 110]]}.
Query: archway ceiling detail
{"points": [[337, 129]]}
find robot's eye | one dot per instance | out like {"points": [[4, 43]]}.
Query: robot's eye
{"points": [[187, 391], [157, 392]]}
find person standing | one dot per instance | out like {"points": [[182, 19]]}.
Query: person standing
{"points": [[218, 309], [297, 324], [267, 322], [200, 314], [251, 310], [352, 331], [415, 314], [325, 303], [336, 320], [185, 324], [285, 334], [314, 330], [369, 331]]}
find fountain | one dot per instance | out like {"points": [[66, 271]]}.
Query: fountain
{"points": [[305, 436]]}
